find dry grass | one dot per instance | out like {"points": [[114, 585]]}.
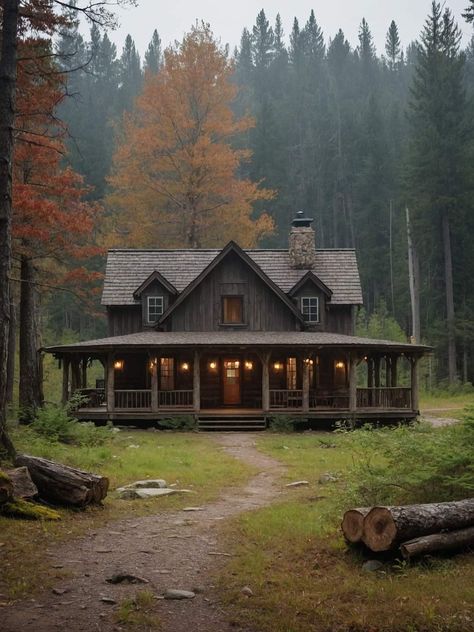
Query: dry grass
{"points": [[190, 460], [139, 612], [445, 405], [304, 577]]}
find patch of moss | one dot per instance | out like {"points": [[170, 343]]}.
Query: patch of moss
{"points": [[18, 508], [4, 477]]}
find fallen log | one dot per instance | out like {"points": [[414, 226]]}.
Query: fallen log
{"points": [[63, 485], [353, 523], [23, 486], [386, 527], [448, 541]]}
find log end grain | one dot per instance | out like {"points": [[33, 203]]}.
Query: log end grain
{"points": [[380, 530], [353, 524]]}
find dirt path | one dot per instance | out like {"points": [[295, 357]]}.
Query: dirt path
{"points": [[171, 550]]}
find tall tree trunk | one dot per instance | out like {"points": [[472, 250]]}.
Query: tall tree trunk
{"points": [[414, 283], [449, 291], [8, 64], [30, 374], [11, 352]]}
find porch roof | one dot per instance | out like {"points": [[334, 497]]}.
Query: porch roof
{"points": [[262, 339]]}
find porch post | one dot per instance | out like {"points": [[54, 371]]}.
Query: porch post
{"points": [[110, 383], [84, 372], [75, 375], [154, 384], [265, 359], [305, 386], [414, 383], [65, 393], [352, 383], [197, 382], [388, 370], [376, 401], [394, 380]]}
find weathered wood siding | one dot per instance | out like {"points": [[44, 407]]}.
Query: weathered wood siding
{"points": [[124, 320], [263, 310], [339, 320]]}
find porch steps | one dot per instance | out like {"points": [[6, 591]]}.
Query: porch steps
{"points": [[231, 422]]}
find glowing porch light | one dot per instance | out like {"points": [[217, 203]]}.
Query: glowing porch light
{"points": [[340, 365], [118, 365], [309, 361], [213, 366], [185, 366], [249, 365], [278, 366]]}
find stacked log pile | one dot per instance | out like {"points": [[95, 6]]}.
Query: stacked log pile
{"points": [[414, 529]]}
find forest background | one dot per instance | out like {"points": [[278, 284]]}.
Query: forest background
{"points": [[352, 138]]}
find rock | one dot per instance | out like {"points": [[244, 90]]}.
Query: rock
{"points": [[23, 486], [297, 484], [144, 492], [108, 600], [247, 591], [327, 477], [129, 578], [60, 591], [372, 565], [150, 483], [134, 446], [193, 509], [179, 594]]}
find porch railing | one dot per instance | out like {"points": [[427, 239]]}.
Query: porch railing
{"points": [[283, 398], [384, 397], [137, 399], [329, 399], [175, 399]]}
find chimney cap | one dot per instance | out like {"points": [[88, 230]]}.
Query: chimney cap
{"points": [[300, 221]]}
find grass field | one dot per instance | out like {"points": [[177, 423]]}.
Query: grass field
{"points": [[305, 578], [446, 405], [190, 460]]}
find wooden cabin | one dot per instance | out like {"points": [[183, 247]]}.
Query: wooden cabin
{"points": [[239, 336]]}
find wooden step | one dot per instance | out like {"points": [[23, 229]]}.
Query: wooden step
{"points": [[234, 423]]}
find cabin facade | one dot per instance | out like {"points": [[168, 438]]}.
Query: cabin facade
{"points": [[239, 336]]}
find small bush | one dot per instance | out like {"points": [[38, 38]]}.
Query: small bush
{"points": [[181, 423], [57, 424], [282, 423]]}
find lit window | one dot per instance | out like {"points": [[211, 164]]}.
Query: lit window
{"points": [[154, 308], [310, 309], [291, 374], [167, 374], [232, 310]]}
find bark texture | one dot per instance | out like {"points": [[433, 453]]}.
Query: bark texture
{"points": [[8, 64], [353, 523], [63, 485], [386, 527], [449, 541]]}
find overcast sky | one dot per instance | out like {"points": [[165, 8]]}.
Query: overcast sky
{"points": [[173, 18]]}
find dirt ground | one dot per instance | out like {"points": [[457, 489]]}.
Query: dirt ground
{"points": [[179, 550]]}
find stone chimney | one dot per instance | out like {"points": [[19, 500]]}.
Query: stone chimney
{"points": [[302, 246]]}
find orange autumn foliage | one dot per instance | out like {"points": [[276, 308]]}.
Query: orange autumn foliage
{"points": [[176, 175]]}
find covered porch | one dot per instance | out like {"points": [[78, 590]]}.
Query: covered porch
{"points": [[303, 374]]}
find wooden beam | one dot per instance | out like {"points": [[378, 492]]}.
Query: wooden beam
{"points": [[414, 384], [352, 383], [394, 377], [110, 383], [84, 372], [65, 390], [305, 385], [154, 383], [265, 359], [197, 382], [388, 370]]}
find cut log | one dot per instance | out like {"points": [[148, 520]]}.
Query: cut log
{"points": [[6, 488], [353, 523], [449, 541], [386, 527], [63, 485], [23, 486]]}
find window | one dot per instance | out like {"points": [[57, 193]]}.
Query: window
{"points": [[291, 374], [232, 310], [167, 374], [154, 308], [310, 309]]}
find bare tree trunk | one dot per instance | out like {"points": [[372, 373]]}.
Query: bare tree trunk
{"points": [[8, 64], [30, 374], [448, 281], [414, 281], [11, 352]]}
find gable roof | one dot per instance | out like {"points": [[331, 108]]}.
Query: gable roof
{"points": [[127, 269], [235, 248], [310, 276], [155, 276]]}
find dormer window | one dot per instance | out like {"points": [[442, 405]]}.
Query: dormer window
{"points": [[154, 308], [310, 309]]}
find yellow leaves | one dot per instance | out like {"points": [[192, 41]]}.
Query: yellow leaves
{"points": [[175, 180]]}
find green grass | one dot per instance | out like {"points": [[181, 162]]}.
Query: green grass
{"points": [[189, 460], [442, 404], [305, 578], [139, 612]]}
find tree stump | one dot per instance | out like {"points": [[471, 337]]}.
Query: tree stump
{"points": [[386, 527], [63, 485]]}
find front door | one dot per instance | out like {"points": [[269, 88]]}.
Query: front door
{"points": [[231, 382]]}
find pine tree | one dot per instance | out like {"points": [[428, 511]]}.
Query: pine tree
{"points": [[313, 40], [469, 13], [153, 54], [392, 45], [263, 41], [130, 75]]}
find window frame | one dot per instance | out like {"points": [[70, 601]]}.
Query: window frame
{"points": [[242, 316], [148, 300], [307, 315]]}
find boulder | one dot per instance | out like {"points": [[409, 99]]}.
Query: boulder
{"points": [[23, 486]]}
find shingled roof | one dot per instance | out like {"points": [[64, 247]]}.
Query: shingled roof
{"points": [[127, 269]]}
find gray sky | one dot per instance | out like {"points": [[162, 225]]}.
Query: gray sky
{"points": [[173, 18]]}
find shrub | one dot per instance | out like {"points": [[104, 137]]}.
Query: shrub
{"points": [[281, 423], [182, 423]]}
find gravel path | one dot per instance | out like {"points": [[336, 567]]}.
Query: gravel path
{"points": [[179, 550]]}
